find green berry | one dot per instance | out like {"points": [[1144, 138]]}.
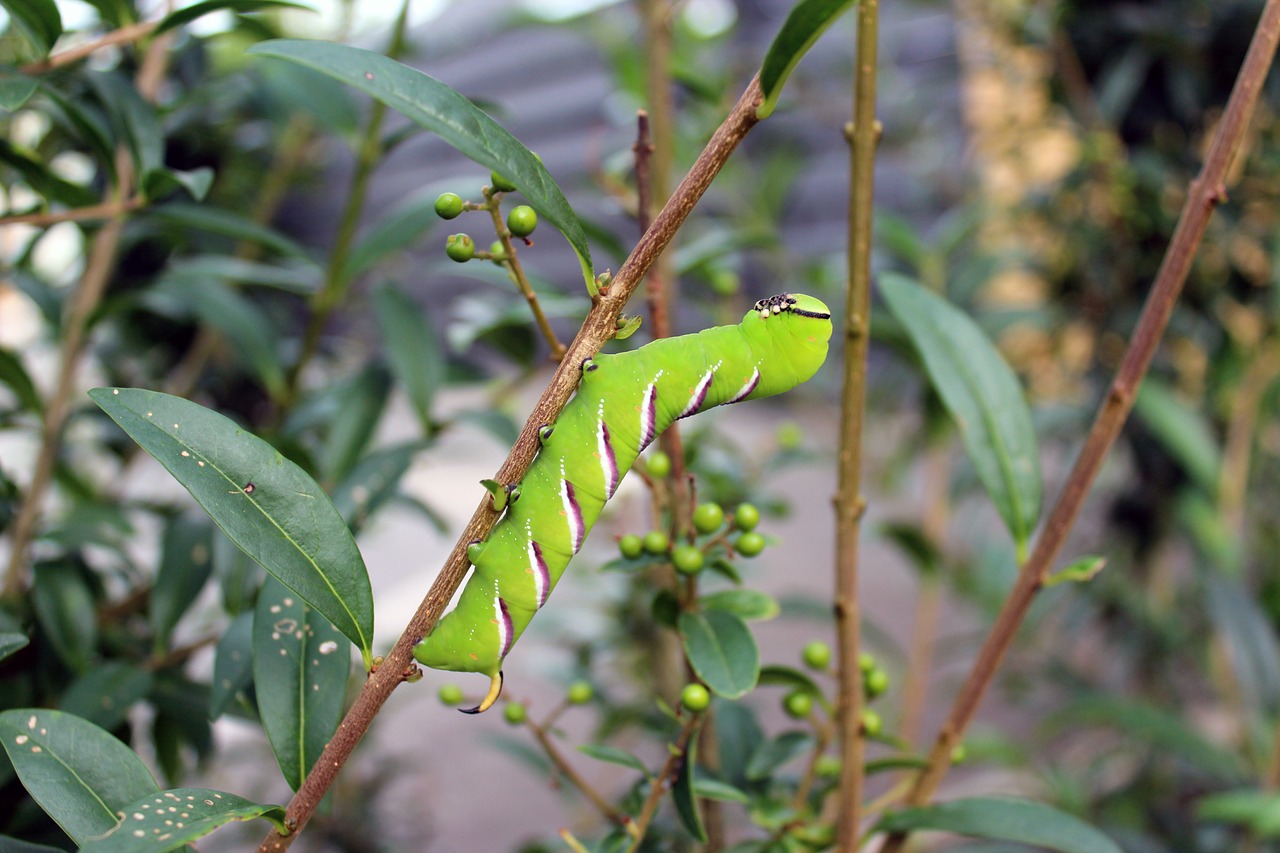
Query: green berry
{"points": [[497, 252], [746, 517], [749, 544], [655, 542], [866, 662], [708, 517], [450, 694], [871, 722], [688, 559], [817, 655], [725, 282], [797, 704], [500, 183], [828, 766], [631, 546], [695, 697], [580, 693], [875, 682], [449, 206], [659, 464], [522, 220], [959, 753], [514, 713], [460, 247], [790, 436]]}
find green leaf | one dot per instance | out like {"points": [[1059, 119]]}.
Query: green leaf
{"points": [[360, 407], [300, 667], [721, 651], [9, 844], [301, 278], [202, 217], [737, 735], [16, 89], [433, 105], [915, 545], [285, 521], [133, 120], [170, 819], [791, 678], [774, 753], [896, 762], [38, 20], [613, 755], [983, 396], [1238, 617], [1258, 811], [746, 603], [194, 182], [412, 348], [13, 374], [65, 608], [373, 482], [684, 796], [1003, 819], [104, 694], [186, 561], [190, 13], [232, 664], [1182, 432], [238, 575], [45, 183], [400, 229], [79, 774], [1081, 570], [10, 643], [714, 789], [808, 20]]}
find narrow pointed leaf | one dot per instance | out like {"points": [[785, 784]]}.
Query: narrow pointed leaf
{"points": [[360, 406], [268, 506], [1081, 570], [1182, 431], [746, 603], [39, 20], [65, 609], [774, 753], [373, 482], [9, 844], [721, 650], [104, 694], [232, 664], [16, 89], [13, 374], [81, 775], [1004, 819], [186, 561], [300, 666], [1256, 809], [433, 105], [412, 348], [197, 10], [982, 395], [170, 819], [684, 796], [10, 643], [808, 20], [613, 755]]}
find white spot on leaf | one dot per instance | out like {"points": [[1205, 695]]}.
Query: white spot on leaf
{"points": [[328, 647]]}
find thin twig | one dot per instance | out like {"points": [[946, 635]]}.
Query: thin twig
{"points": [[104, 210], [1204, 194], [599, 326], [124, 35], [676, 756], [566, 770], [515, 272], [849, 501]]}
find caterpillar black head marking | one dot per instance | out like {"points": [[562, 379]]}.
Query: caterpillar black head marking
{"points": [[786, 302]]}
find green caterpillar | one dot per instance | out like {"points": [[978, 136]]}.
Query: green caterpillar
{"points": [[622, 404]]}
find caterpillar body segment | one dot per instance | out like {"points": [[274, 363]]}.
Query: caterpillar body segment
{"points": [[624, 401]]}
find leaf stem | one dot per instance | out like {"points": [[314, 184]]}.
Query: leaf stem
{"points": [[516, 273], [849, 501], [600, 326], [1204, 194]]}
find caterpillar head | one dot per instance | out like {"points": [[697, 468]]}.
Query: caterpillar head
{"points": [[791, 330]]}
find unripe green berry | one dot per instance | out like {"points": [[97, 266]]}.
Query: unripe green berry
{"points": [[580, 693], [871, 722], [959, 753], [866, 662], [688, 559], [514, 713], [746, 517], [522, 220], [656, 542], [708, 517], [449, 206], [797, 704], [828, 766], [725, 282], [875, 682], [497, 252], [695, 697], [790, 436], [817, 655], [631, 546], [659, 464], [460, 247], [500, 183], [450, 694], [749, 544]]}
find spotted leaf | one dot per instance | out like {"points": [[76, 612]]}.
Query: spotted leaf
{"points": [[170, 819]]}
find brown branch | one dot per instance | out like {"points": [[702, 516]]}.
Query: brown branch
{"points": [[124, 35], [849, 501], [104, 210], [1205, 192], [599, 327]]}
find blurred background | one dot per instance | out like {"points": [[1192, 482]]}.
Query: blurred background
{"points": [[1034, 157]]}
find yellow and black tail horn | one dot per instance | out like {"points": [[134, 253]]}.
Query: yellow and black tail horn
{"points": [[495, 690]]}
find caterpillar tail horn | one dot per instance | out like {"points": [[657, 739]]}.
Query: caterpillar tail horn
{"points": [[495, 690]]}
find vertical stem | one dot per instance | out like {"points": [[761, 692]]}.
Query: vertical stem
{"points": [[93, 284], [849, 502], [1205, 192]]}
